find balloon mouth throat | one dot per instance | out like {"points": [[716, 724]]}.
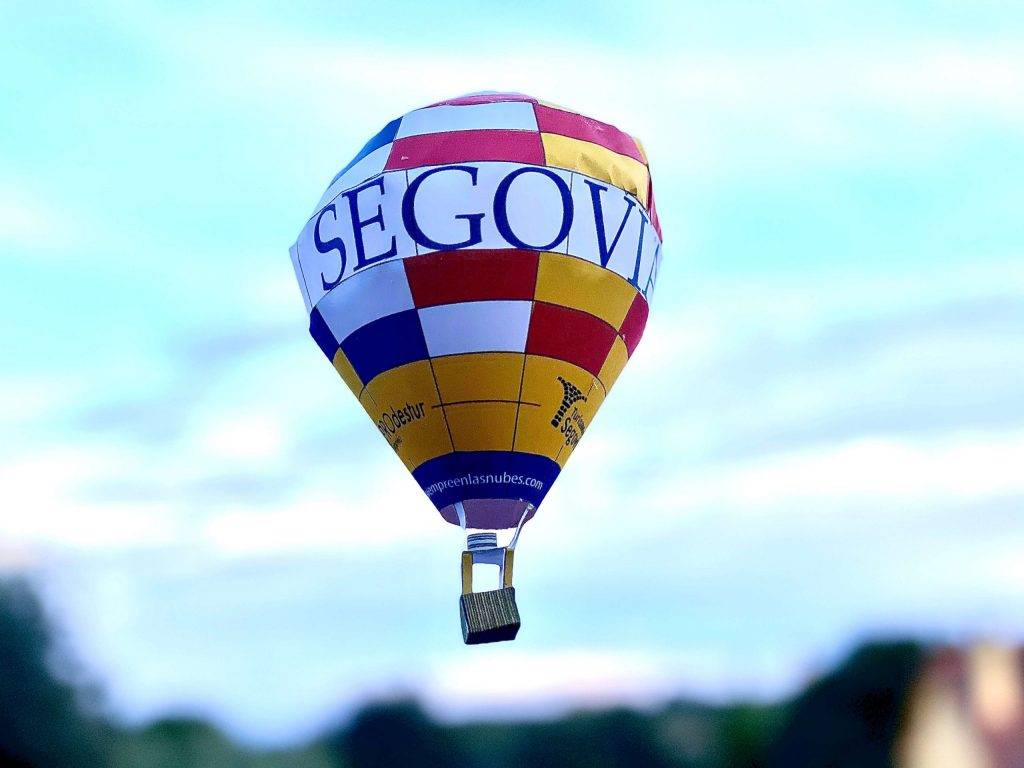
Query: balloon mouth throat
{"points": [[491, 514]]}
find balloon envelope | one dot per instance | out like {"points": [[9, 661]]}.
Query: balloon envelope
{"points": [[479, 274]]}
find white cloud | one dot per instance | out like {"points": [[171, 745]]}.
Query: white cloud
{"points": [[25, 222], [880, 472], [513, 681], [44, 507], [35, 221], [701, 110], [582, 677], [252, 438], [374, 514], [24, 399]]}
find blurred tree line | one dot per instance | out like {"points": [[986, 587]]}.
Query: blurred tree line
{"points": [[846, 719]]}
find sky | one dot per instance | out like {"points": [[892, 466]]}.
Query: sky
{"points": [[819, 440]]}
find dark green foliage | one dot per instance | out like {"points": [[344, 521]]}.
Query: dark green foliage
{"points": [[179, 742], [41, 723], [395, 735], [617, 739], [849, 718], [683, 735], [191, 743], [747, 733]]}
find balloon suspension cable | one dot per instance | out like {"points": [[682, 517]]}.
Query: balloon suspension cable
{"points": [[461, 512], [519, 528]]}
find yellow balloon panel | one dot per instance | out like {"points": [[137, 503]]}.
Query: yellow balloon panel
{"points": [[480, 376], [597, 162], [558, 400], [482, 426], [572, 282], [617, 358], [347, 372], [405, 406], [579, 418]]}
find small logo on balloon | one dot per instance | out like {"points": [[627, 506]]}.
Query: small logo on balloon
{"points": [[573, 427], [571, 394], [390, 423]]}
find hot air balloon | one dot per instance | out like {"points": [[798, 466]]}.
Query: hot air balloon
{"points": [[479, 275]]}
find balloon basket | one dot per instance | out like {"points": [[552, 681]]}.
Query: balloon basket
{"points": [[489, 617]]}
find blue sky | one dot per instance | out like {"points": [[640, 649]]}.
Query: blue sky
{"points": [[819, 439]]}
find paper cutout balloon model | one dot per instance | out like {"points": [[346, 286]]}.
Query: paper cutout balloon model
{"points": [[479, 275]]}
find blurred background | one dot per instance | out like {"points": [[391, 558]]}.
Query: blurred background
{"points": [[827, 496]]}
